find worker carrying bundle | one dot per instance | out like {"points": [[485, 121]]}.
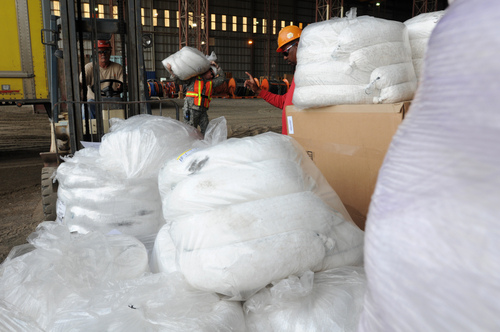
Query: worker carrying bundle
{"points": [[200, 74]]}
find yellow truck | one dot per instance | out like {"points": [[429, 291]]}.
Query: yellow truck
{"points": [[23, 63]]}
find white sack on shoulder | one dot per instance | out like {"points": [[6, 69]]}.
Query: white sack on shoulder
{"points": [[189, 62]]}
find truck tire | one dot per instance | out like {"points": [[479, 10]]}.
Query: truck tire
{"points": [[49, 194]]}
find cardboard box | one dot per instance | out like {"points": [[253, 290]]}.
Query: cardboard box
{"points": [[348, 143]]}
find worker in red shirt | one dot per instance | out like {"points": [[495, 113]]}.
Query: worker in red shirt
{"points": [[288, 42]]}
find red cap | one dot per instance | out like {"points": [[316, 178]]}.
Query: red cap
{"points": [[103, 44]]}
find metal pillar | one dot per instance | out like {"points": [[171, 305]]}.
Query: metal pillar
{"points": [[270, 11], [326, 9], [337, 8], [423, 6], [323, 8], [193, 24]]}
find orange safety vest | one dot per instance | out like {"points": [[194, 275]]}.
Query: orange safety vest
{"points": [[198, 89]]}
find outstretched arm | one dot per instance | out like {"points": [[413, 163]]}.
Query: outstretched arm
{"points": [[251, 84]]}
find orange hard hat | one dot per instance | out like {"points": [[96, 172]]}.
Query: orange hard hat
{"points": [[286, 35], [101, 43]]}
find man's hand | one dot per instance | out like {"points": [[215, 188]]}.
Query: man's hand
{"points": [[251, 84], [169, 68]]}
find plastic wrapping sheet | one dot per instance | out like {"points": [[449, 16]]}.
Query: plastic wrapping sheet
{"points": [[234, 153], [141, 144], [330, 73], [243, 247], [419, 31], [158, 302], [336, 58], [12, 319], [231, 185], [432, 235], [162, 258], [324, 301], [371, 57], [64, 270], [189, 62]]}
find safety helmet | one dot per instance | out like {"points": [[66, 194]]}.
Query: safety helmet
{"points": [[286, 35], [101, 43]]}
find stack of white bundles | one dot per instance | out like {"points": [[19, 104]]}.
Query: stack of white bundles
{"points": [[244, 213], [419, 31], [157, 302], [353, 60], [116, 186], [93, 198], [324, 301], [189, 62], [64, 270], [433, 237]]}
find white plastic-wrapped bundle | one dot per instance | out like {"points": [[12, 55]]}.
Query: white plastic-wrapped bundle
{"points": [[157, 302], [99, 199], [324, 301], [63, 270], [419, 31], [249, 211], [189, 62], [163, 255], [239, 249], [432, 236], [235, 153], [336, 59], [141, 144]]}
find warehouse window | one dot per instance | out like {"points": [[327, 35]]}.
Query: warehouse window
{"points": [[264, 26], [274, 27], [202, 18], [167, 18], [56, 10], [86, 10], [115, 12], [143, 19], [177, 19], [300, 25], [255, 22], [223, 22], [291, 22], [245, 24], [282, 24], [212, 23], [100, 11], [235, 23], [155, 17], [191, 19]]}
